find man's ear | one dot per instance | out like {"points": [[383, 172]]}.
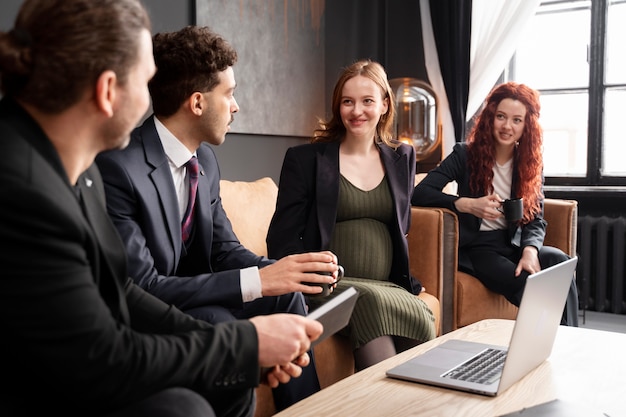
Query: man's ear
{"points": [[196, 103], [106, 92]]}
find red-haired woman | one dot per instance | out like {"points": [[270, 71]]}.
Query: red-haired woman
{"points": [[501, 159]]}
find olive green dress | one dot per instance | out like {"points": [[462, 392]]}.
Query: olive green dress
{"points": [[363, 245]]}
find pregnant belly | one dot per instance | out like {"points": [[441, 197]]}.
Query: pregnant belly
{"points": [[364, 248]]}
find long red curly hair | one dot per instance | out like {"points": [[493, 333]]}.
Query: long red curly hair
{"points": [[528, 160]]}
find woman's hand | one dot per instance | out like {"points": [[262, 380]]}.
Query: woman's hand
{"points": [[529, 261], [485, 207]]}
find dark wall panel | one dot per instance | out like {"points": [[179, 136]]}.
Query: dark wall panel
{"points": [[383, 30], [8, 11], [403, 41]]}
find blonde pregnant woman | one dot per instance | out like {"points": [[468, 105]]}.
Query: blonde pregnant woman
{"points": [[349, 191]]}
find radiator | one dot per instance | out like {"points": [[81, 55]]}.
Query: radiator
{"points": [[601, 274]]}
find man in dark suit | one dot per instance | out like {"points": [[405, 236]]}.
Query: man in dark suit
{"points": [[79, 337], [206, 273]]}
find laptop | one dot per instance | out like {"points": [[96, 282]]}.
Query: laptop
{"points": [[537, 322]]}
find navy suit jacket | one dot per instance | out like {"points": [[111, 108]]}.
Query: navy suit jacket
{"points": [[308, 196], [454, 167], [79, 338], [142, 203]]}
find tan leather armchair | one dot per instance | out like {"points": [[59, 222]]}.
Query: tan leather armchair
{"points": [[250, 206], [464, 299]]}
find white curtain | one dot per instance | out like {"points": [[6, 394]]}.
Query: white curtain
{"points": [[497, 27], [433, 70]]}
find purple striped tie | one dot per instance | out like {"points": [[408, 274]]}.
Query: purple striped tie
{"points": [[192, 173]]}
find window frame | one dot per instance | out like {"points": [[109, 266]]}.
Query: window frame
{"points": [[596, 90]]}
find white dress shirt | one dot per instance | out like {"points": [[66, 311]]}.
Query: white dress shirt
{"points": [[177, 156]]}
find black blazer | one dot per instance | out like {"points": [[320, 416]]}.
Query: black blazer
{"points": [[454, 167], [142, 202], [308, 195], [79, 338]]}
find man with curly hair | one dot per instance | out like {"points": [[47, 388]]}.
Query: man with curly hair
{"points": [[182, 249], [79, 337]]}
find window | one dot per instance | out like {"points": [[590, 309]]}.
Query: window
{"points": [[573, 55]]}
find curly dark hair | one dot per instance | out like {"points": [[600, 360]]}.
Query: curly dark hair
{"points": [[187, 61], [528, 160]]}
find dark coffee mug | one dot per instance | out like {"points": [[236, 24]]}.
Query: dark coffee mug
{"points": [[326, 288], [513, 209]]}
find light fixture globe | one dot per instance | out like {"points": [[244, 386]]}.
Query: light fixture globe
{"points": [[416, 115]]}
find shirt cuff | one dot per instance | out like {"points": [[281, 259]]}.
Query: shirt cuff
{"points": [[250, 282]]}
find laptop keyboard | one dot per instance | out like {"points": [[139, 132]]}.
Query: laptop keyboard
{"points": [[484, 368]]}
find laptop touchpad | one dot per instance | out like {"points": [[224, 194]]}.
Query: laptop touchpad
{"points": [[442, 357]]}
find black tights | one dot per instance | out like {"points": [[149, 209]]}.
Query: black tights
{"points": [[381, 348]]}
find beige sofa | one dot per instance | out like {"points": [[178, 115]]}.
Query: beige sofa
{"points": [[250, 205]]}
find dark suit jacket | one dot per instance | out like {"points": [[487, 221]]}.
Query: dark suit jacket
{"points": [[142, 203], [308, 196], [79, 338], [454, 168]]}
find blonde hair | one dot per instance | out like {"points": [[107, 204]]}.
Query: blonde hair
{"points": [[333, 130]]}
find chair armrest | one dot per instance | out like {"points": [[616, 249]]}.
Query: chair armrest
{"points": [[433, 256], [562, 218]]}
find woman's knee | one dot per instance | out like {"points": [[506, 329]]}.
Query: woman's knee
{"points": [[549, 256]]}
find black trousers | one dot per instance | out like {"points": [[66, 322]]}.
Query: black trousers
{"points": [[494, 260], [183, 402], [297, 388]]}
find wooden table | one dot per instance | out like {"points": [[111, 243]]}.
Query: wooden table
{"points": [[587, 367]]}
